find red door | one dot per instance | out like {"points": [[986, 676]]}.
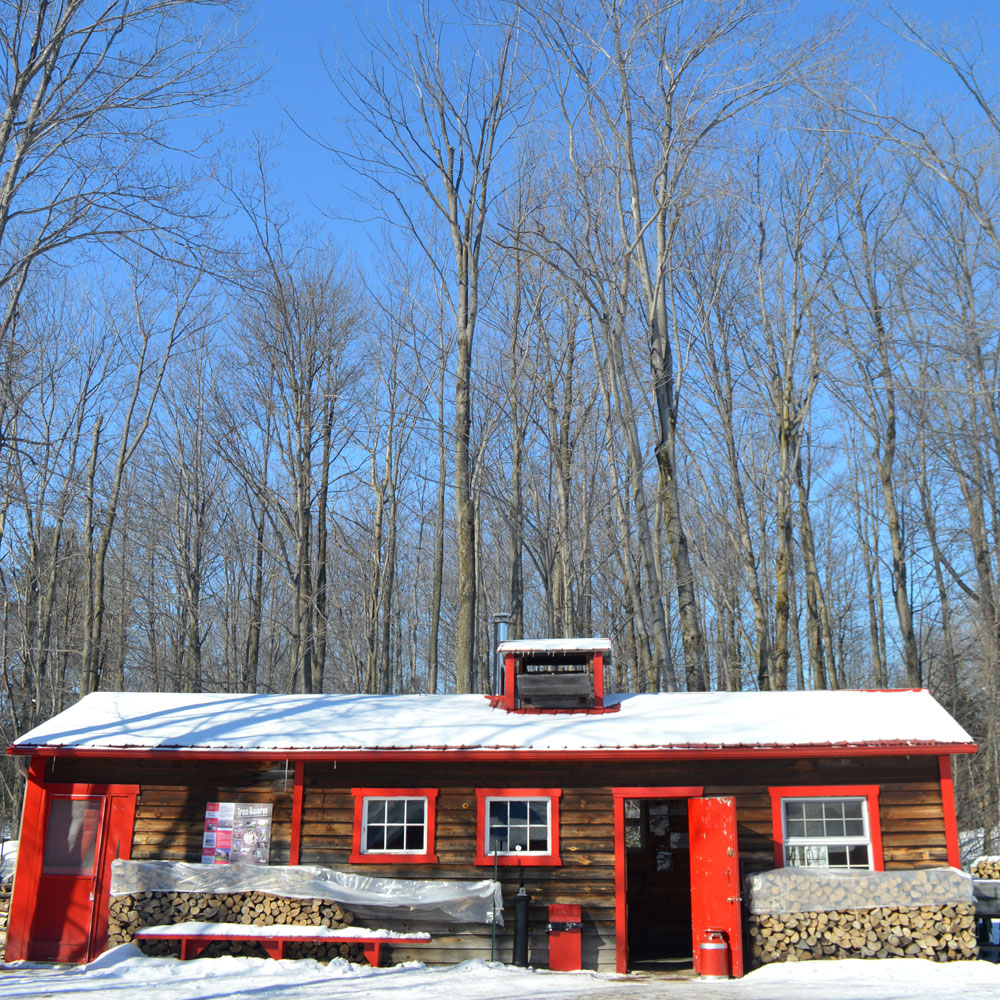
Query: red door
{"points": [[715, 876], [67, 887], [83, 834]]}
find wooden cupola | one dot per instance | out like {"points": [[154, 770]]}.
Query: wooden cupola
{"points": [[553, 675]]}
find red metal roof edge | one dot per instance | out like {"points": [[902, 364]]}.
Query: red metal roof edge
{"points": [[676, 751]]}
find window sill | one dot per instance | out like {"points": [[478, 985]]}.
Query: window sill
{"points": [[393, 859], [521, 861]]}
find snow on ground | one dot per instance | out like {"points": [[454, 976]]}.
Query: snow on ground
{"points": [[117, 974]]}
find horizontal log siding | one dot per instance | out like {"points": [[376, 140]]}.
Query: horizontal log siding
{"points": [[586, 846], [171, 808]]}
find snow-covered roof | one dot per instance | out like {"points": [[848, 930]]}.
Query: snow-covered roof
{"points": [[555, 646], [108, 721]]}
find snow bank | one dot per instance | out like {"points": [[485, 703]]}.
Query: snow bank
{"points": [[124, 971]]}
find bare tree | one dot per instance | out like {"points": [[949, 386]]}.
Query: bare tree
{"points": [[430, 120], [144, 339], [659, 82], [90, 91]]}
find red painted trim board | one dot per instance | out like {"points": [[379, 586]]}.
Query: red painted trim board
{"points": [[504, 755], [298, 790], [599, 681], [950, 817], [29, 864]]}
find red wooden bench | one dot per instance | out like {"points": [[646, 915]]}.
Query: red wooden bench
{"points": [[196, 936]]}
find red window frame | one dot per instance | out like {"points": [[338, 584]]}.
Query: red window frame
{"points": [[358, 857], [550, 860], [867, 792]]}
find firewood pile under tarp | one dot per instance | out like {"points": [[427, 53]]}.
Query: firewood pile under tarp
{"points": [[133, 911], [153, 893], [798, 914], [987, 867]]}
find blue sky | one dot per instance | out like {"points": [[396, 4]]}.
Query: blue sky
{"points": [[294, 36]]}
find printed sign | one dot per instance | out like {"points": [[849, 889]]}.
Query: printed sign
{"points": [[236, 832]]}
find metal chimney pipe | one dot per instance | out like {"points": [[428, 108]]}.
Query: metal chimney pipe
{"points": [[500, 622]]}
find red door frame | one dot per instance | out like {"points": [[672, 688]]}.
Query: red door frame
{"points": [[119, 815], [621, 874]]}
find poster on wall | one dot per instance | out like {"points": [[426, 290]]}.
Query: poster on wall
{"points": [[251, 842], [236, 833]]}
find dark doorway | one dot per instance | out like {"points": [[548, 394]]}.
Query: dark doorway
{"points": [[658, 886]]}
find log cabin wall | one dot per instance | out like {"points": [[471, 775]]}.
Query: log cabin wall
{"points": [[171, 808]]}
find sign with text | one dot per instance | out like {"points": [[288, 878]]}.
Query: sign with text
{"points": [[237, 833]]}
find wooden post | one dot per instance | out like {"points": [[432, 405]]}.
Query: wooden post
{"points": [[295, 848]]}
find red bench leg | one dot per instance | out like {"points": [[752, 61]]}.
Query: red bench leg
{"points": [[273, 949], [373, 952], [192, 947]]}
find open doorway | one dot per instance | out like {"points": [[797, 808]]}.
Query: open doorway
{"points": [[658, 884], [676, 878]]}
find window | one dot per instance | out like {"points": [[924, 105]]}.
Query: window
{"points": [[827, 827], [636, 824], [394, 825], [827, 833], [71, 835], [517, 826]]}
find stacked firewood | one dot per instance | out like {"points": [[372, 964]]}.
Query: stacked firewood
{"points": [[987, 867], [804, 913], [939, 933], [260, 909]]}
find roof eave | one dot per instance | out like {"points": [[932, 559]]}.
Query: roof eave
{"points": [[686, 752]]}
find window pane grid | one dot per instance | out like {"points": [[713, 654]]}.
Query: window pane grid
{"points": [[827, 833], [517, 826], [395, 826]]}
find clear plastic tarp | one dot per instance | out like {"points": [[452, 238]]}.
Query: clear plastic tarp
{"points": [[414, 899], [8, 859], [799, 890]]}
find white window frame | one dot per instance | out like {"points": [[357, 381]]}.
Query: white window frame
{"points": [[529, 800], [790, 842], [367, 800]]}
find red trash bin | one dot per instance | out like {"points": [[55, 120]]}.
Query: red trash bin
{"points": [[565, 932]]}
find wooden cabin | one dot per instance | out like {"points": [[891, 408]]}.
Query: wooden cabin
{"points": [[644, 810]]}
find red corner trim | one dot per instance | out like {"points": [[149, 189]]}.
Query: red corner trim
{"points": [[298, 790], [509, 694], [868, 792], [599, 681], [550, 860], [29, 864], [950, 818], [430, 815]]}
